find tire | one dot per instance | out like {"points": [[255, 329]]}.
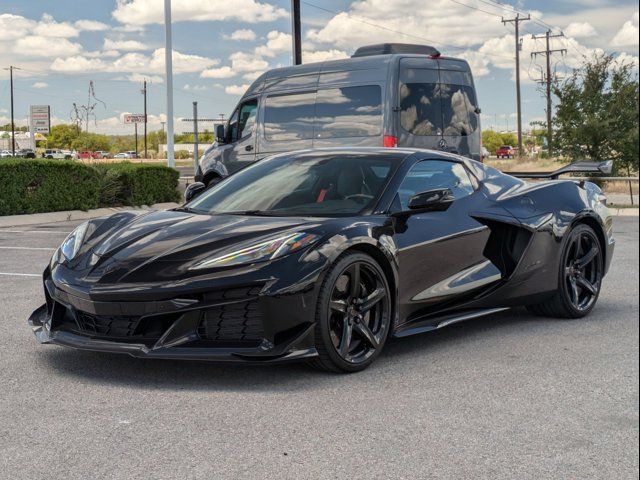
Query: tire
{"points": [[213, 181], [352, 319], [580, 276]]}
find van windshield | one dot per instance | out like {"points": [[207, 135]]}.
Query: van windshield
{"points": [[304, 185]]}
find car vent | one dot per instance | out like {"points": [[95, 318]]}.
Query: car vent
{"points": [[237, 322], [106, 326]]}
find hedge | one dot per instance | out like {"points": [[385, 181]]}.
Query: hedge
{"points": [[137, 184], [39, 185], [32, 186]]}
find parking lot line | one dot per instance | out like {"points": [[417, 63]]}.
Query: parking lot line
{"points": [[11, 274], [26, 248]]}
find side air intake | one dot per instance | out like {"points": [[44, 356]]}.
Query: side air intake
{"points": [[390, 48]]}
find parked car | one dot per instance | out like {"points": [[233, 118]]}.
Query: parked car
{"points": [[356, 245], [122, 155], [388, 95], [26, 153], [57, 154], [133, 154], [506, 151], [104, 154], [87, 155], [5, 154]]}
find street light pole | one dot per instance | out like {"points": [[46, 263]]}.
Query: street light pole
{"points": [[168, 62], [144, 92]]}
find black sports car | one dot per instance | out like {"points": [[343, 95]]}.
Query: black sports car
{"points": [[323, 255]]}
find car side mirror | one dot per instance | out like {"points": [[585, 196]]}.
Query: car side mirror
{"points": [[193, 190], [437, 200], [220, 134]]}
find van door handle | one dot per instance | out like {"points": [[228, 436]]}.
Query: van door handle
{"points": [[248, 148]]}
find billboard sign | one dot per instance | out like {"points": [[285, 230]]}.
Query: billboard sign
{"points": [[40, 119], [134, 118]]}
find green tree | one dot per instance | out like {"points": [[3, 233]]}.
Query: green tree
{"points": [[493, 140], [62, 136], [597, 113]]}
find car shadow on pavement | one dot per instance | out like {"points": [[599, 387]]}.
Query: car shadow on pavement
{"points": [[399, 355]]}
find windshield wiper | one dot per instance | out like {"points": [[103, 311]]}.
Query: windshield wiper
{"points": [[186, 209]]}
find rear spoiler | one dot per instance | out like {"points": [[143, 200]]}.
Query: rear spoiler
{"points": [[581, 166]]}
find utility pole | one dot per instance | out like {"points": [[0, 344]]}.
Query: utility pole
{"points": [[144, 93], [296, 34], [168, 64], [516, 22], [549, 77], [13, 125], [195, 138]]}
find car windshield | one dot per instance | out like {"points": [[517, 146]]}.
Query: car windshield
{"points": [[307, 184]]}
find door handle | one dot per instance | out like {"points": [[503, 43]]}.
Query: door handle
{"points": [[248, 148]]}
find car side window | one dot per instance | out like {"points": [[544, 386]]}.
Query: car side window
{"points": [[433, 174]]}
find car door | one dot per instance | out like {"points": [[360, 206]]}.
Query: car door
{"points": [[440, 253], [241, 136]]}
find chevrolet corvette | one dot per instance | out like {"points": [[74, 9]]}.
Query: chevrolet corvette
{"points": [[324, 255]]}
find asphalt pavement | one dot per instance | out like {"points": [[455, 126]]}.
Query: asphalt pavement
{"points": [[507, 397]]}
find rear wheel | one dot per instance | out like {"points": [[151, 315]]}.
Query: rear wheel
{"points": [[580, 277], [353, 316]]}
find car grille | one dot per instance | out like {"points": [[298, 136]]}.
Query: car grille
{"points": [[107, 326], [237, 322]]}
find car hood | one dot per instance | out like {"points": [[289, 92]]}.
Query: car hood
{"points": [[164, 244]]}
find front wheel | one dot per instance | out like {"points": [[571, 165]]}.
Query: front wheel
{"points": [[580, 276], [353, 315]]}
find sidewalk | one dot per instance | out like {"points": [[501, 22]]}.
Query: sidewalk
{"points": [[51, 217]]}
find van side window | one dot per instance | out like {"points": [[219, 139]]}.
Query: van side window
{"points": [[348, 112], [247, 118], [289, 117]]}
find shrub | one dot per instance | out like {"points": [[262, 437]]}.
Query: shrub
{"points": [[33, 186], [137, 184]]}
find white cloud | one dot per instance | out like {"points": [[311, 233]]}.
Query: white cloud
{"points": [[124, 45], [236, 89], [277, 43], [628, 34], [39, 46], [222, 72], [242, 62], [580, 30], [139, 78], [242, 34], [91, 25], [40, 85], [14, 26], [313, 56], [625, 58], [48, 27], [135, 62], [144, 12]]}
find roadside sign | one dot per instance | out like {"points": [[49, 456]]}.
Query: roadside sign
{"points": [[134, 118], [40, 119]]}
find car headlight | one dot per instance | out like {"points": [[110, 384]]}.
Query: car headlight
{"points": [[267, 250], [73, 242]]}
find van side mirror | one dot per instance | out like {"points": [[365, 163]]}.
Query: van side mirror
{"points": [[437, 200], [193, 190], [220, 137]]}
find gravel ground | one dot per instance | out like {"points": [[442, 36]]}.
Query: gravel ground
{"points": [[512, 396]]}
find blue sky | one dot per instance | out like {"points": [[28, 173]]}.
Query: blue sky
{"points": [[221, 45]]}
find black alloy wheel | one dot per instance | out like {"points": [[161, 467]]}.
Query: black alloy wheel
{"points": [[581, 273], [354, 314]]}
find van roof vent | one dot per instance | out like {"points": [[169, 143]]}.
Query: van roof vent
{"points": [[390, 48]]}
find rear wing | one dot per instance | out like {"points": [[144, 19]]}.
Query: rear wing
{"points": [[581, 166]]}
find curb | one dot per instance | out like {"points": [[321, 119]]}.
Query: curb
{"points": [[624, 212], [70, 215]]}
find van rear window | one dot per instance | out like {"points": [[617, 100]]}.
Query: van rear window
{"points": [[432, 108], [328, 113]]}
